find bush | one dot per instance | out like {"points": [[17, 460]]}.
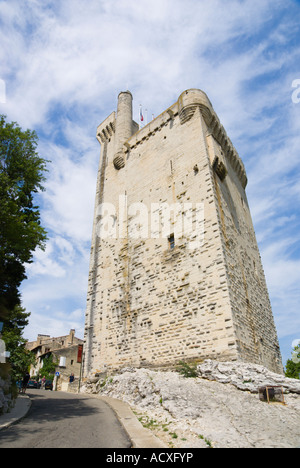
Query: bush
{"points": [[187, 370]]}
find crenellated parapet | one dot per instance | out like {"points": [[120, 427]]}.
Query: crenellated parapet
{"points": [[188, 102], [193, 99], [106, 130]]}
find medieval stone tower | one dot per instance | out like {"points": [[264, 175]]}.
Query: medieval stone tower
{"points": [[175, 271]]}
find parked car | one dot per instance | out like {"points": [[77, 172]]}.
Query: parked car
{"points": [[48, 385], [33, 384]]}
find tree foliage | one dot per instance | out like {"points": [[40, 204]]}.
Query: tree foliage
{"points": [[48, 369], [21, 176], [293, 365], [20, 358]]}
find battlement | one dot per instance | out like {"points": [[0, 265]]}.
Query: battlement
{"points": [[184, 109], [106, 130]]}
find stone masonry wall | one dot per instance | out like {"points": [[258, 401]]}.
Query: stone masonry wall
{"points": [[252, 314], [150, 304]]}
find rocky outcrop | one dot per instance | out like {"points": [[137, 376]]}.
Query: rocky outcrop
{"points": [[221, 408], [6, 400], [245, 376]]}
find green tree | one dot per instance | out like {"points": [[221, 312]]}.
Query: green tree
{"points": [[20, 358], [293, 365], [21, 176], [48, 369]]}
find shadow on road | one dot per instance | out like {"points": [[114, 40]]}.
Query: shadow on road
{"points": [[70, 418]]}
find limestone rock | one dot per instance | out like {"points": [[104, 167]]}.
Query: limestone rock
{"points": [[210, 410], [245, 376]]}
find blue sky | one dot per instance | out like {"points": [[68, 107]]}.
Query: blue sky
{"points": [[63, 65]]}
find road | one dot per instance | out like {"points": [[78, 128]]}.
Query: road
{"points": [[65, 420]]}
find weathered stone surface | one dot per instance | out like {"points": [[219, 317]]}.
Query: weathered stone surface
{"points": [[152, 302], [246, 376], [6, 400], [203, 413]]}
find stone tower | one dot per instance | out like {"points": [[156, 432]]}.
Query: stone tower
{"points": [[175, 271]]}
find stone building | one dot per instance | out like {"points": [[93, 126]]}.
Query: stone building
{"points": [[61, 346], [69, 362], [175, 270]]}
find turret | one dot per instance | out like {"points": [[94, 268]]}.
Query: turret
{"points": [[123, 127]]}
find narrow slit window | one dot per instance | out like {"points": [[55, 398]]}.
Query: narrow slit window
{"points": [[171, 240]]}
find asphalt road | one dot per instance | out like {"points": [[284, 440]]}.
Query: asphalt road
{"points": [[65, 420]]}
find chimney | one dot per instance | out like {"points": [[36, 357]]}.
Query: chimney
{"points": [[71, 336]]}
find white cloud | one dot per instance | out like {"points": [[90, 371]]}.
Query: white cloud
{"points": [[79, 53], [69, 200], [47, 324]]}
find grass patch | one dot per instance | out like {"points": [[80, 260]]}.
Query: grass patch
{"points": [[207, 441]]}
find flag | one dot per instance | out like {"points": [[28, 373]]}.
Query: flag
{"points": [[79, 353], [141, 114]]}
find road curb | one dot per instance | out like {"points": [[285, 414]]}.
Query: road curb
{"points": [[138, 434], [18, 412]]}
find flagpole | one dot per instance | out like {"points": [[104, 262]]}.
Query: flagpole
{"points": [[141, 116], [140, 113]]}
